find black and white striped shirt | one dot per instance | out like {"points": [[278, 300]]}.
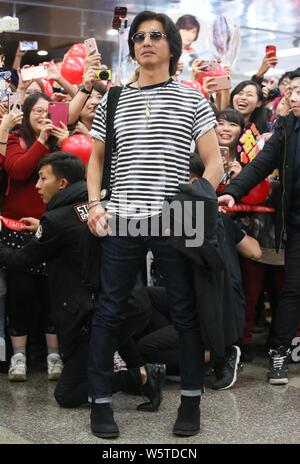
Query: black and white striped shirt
{"points": [[151, 155]]}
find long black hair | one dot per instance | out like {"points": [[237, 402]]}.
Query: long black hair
{"points": [[171, 31], [26, 131], [260, 115]]}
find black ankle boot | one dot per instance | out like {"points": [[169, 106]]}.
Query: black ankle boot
{"points": [[188, 418], [152, 389], [103, 424]]}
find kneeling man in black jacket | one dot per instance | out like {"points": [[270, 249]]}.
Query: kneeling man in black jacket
{"points": [[62, 187]]}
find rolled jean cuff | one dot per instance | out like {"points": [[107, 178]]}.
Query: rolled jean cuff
{"points": [[191, 393], [107, 399]]}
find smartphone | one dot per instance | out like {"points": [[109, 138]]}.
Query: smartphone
{"points": [[34, 72], [224, 152], [271, 48], [222, 83], [26, 46], [120, 12], [91, 46], [5, 80], [225, 155], [58, 112], [12, 102]]}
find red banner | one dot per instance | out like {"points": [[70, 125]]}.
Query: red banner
{"points": [[12, 223]]}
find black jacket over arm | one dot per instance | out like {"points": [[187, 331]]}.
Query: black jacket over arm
{"points": [[214, 294]]}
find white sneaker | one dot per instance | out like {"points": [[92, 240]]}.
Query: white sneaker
{"points": [[54, 365], [17, 370]]}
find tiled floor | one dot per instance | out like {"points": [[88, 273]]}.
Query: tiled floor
{"points": [[251, 412]]}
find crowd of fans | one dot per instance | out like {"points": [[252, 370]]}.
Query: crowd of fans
{"points": [[247, 115]]}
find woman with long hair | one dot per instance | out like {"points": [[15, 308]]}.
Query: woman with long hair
{"points": [[27, 292], [247, 98]]}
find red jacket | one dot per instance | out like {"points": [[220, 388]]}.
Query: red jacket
{"points": [[22, 199]]}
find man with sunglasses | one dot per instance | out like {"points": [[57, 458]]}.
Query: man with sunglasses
{"points": [[155, 122]]}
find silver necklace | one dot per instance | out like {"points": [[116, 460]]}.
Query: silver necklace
{"points": [[148, 101]]}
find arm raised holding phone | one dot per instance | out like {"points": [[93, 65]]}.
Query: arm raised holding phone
{"points": [[92, 64]]}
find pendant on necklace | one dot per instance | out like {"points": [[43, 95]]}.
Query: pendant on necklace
{"points": [[148, 109]]}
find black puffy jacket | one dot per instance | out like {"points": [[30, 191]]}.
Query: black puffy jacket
{"points": [[57, 242]]}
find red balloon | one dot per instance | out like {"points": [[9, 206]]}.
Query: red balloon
{"points": [[72, 70], [79, 145], [77, 50], [80, 60], [47, 87], [258, 194]]}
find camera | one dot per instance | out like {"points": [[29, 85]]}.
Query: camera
{"points": [[274, 93], [103, 74]]}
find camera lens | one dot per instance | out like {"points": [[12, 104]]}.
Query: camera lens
{"points": [[103, 75]]}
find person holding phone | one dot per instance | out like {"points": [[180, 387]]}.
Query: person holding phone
{"points": [[87, 114], [27, 292], [281, 150], [8, 122], [230, 127], [247, 98], [269, 61]]}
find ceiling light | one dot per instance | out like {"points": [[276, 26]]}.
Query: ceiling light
{"points": [[42, 52], [112, 32]]}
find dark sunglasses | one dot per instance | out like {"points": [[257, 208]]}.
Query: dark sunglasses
{"points": [[139, 37]]}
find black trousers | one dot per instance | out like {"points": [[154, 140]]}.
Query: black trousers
{"points": [[161, 342], [288, 311], [28, 303], [72, 388]]}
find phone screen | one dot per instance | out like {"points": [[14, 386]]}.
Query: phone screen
{"points": [[12, 99], [28, 45], [58, 112], [5, 79]]}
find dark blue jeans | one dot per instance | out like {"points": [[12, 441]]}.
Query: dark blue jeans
{"points": [[288, 312], [121, 260]]}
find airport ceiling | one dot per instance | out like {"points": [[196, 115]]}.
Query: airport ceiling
{"points": [[57, 24]]}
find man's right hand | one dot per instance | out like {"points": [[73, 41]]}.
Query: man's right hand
{"points": [[226, 200], [97, 221]]}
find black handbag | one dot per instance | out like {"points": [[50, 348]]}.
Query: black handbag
{"points": [[112, 103], [91, 251]]}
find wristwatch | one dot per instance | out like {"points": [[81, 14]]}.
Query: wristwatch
{"points": [[84, 90]]}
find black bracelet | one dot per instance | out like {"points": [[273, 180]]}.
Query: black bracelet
{"points": [[84, 90], [3, 143]]}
